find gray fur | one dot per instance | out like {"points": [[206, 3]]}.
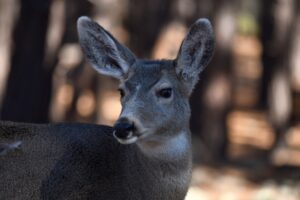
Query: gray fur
{"points": [[6, 148], [82, 161]]}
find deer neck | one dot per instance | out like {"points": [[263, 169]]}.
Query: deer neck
{"points": [[171, 159], [173, 149]]}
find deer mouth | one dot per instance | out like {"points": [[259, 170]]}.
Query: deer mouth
{"points": [[125, 137]]}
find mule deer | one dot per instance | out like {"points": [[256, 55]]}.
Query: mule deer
{"points": [[147, 155]]}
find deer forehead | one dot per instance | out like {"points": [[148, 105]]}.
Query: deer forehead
{"points": [[147, 74]]}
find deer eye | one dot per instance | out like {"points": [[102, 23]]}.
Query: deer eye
{"points": [[165, 93], [122, 93]]}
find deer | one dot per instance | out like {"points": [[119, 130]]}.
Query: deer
{"points": [[147, 154]]}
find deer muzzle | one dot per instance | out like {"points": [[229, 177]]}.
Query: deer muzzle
{"points": [[124, 131]]}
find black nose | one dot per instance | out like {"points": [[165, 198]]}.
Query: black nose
{"points": [[123, 128]]}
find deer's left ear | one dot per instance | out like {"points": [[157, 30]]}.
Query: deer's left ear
{"points": [[195, 53]]}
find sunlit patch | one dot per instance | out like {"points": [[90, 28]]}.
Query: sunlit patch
{"points": [[243, 127], [169, 41], [110, 107], [70, 55], [86, 103], [61, 102]]}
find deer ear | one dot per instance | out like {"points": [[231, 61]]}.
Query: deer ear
{"points": [[195, 53], [102, 50]]}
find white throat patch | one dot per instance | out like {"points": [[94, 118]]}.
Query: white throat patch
{"points": [[170, 149]]}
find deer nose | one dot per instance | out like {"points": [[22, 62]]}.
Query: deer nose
{"points": [[123, 129]]}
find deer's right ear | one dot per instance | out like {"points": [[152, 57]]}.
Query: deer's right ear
{"points": [[102, 50], [195, 53]]}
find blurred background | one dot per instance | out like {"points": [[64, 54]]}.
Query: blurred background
{"points": [[245, 110]]}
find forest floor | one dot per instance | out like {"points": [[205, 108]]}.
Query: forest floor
{"points": [[255, 169], [232, 183]]}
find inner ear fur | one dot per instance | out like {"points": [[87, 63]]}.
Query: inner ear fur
{"points": [[195, 52]]}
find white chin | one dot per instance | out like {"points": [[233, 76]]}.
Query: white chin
{"points": [[130, 140]]}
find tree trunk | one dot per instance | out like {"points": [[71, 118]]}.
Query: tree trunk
{"points": [[144, 21], [29, 83]]}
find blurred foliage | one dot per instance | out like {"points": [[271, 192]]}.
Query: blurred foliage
{"points": [[247, 24]]}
